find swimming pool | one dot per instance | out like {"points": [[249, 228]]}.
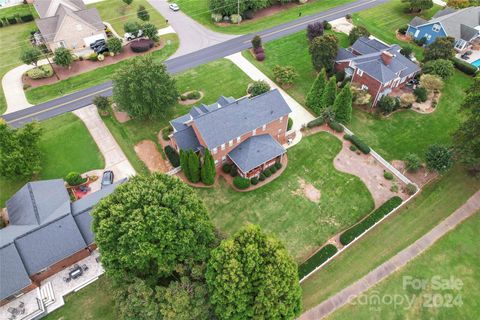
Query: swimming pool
{"points": [[476, 63]]}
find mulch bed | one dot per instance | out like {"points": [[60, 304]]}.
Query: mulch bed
{"points": [[190, 101], [79, 67]]}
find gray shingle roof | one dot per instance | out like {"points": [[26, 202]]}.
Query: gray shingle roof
{"points": [[255, 151], [443, 12], [365, 45], [186, 139], [417, 21], [226, 122], [13, 275], [48, 8]]}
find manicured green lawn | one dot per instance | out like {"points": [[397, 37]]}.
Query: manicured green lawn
{"points": [[13, 39], [436, 202], [282, 208], [90, 303], [93, 77], [66, 146], [199, 11], [292, 50], [455, 255], [20, 10], [384, 20], [220, 77], [117, 13]]}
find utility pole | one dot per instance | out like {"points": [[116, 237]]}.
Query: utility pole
{"points": [[46, 55], [238, 11]]}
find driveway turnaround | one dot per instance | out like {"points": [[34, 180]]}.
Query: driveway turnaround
{"points": [[115, 159], [193, 36], [396, 262]]}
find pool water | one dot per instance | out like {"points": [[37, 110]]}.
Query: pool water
{"points": [[476, 63]]}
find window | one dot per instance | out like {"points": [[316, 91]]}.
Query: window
{"points": [[214, 151], [254, 132], [436, 27], [238, 139], [230, 143], [364, 87], [264, 127], [428, 36], [416, 33], [359, 72], [281, 118], [223, 146]]}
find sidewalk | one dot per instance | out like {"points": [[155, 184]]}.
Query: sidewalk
{"points": [[115, 159], [299, 115], [395, 263]]}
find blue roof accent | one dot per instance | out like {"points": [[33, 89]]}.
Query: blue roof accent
{"points": [[255, 151]]}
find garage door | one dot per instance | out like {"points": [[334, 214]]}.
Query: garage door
{"points": [[94, 38]]}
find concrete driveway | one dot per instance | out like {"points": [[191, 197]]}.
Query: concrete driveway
{"points": [[193, 36]]}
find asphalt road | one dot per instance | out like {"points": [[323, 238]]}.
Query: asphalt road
{"points": [[84, 97]]}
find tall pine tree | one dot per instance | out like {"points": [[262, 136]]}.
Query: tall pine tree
{"points": [[184, 163], [314, 97], [343, 105], [208, 169], [329, 94], [194, 167]]}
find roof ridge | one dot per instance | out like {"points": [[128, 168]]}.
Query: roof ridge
{"points": [[34, 202]]}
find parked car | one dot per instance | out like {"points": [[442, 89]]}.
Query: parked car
{"points": [[97, 43], [174, 7], [101, 49], [107, 178], [130, 36]]}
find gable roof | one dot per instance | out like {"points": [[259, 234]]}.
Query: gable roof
{"points": [[417, 21], [49, 8], [220, 122], [365, 45], [255, 151]]}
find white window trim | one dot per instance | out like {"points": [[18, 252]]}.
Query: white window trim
{"points": [[281, 118], [238, 139], [264, 127], [416, 33], [214, 150], [359, 72], [254, 132], [436, 27], [222, 146], [230, 143]]}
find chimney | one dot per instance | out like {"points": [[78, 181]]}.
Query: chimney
{"points": [[387, 57]]}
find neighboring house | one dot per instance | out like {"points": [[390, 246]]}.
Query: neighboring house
{"points": [[463, 25], [248, 132], [46, 234], [68, 24], [376, 67]]}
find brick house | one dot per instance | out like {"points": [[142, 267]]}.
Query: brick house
{"points": [[68, 24], [46, 234], [248, 132], [376, 67]]}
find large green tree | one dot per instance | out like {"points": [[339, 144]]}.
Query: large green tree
{"points": [[184, 163], [419, 5], [356, 33], [142, 13], [314, 96], [323, 51], [343, 105], [31, 55], [150, 31], [136, 300], [329, 93], [208, 169], [194, 167], [63, 57], [143, 88], [439, 158], [20, 154], [149, 226], [252, 276], [441, 48]]}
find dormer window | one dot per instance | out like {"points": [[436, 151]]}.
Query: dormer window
{"points": [[230, 143], [436, 27], [238, 139], [254, 132]]}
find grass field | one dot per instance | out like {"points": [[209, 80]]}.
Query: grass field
{"points": [[66, 146], [94, 302], [199, 11], [229, 80], [280, 206], [454, 255], [117, 13], [436, 202], [292, 50], [93, 77]]}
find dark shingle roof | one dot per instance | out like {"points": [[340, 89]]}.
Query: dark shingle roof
{"points": [[48, 8], [13, 275], [187, 140], [417, 21], [255, 151], [365, 46]]}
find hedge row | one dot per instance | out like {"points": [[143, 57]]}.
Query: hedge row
{"points": [[464, 66], [317, 259], [355, 231], [241, 183], [13, 20], [316, 122], [335, 126], [172, 156], [362, 146]]}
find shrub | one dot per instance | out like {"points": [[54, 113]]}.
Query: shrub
{"points": [[411, 189], [387, 175], [256, 42], [12, 20], [267, 172], [194, 95], [74, 179], [258, 50], [412, 162], [100, 57], [254, 181], [114, 45], [278, 165], [172, 156], [356, 33], [258, 87], [241, 183], [183, 97], [166, 132], [431, 82], [248, 14], [441, 67], [406, 51], [465, 67], [407, 100], [316, 260], [355, 231], [26, 18], [226, 168], [217, 17], [262, 177], [388, 104], [340, 76], [394, 188], [335, 126], [362, 146], [314, 30], [284, 75], [326, 25], [101, 102], [93, 57], [260, 56], [353, 148], [316, 122], [63, 57], [40, 72], [233, 171], [439, 158], [403, 30], [273, 169], [142, 45], [421, 94], [235, 18], [289, 124], [348, 16]]}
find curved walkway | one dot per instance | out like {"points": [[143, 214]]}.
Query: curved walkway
{"points": [[193, 36], [396, 262]]}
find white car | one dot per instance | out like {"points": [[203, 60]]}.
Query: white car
{"points": [[174, 7], [130, 36]]}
